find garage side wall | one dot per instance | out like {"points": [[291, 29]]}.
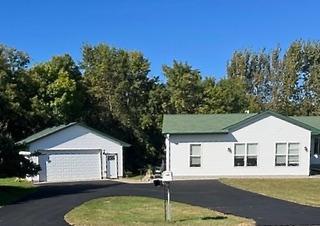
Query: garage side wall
{"points": [[78, 137], [217, 150]]}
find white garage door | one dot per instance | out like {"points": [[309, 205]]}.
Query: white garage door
{"points": [[73, 165]]}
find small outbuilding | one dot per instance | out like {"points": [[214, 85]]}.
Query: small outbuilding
{"points": [[75, 152]]}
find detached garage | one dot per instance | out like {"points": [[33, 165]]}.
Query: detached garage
{"points": [[75, 152]]}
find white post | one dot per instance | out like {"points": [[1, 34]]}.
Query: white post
{"points": [[168, 160], [168, 202]]}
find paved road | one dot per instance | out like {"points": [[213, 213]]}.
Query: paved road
{"points": [[50, 203]]}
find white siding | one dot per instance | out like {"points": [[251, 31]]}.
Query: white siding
{"points": [[217, 150], [78, 137]]}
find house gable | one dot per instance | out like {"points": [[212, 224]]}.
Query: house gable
{"points": [[263, 115], [46, 133]]}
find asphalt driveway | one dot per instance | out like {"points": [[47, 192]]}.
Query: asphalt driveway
{"points": [[50, 203]]}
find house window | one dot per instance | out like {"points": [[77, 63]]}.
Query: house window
{"points": [[281, 154], [293, 154], [316, 147], [252, 154], [245, 154], [195, 155], [287, 154], [239, 154]]}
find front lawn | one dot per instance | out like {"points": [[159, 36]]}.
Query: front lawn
{"points": [[302, 191], [12, 190], [133, 210]]}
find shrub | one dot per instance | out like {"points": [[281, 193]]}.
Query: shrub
{"points": [[12, 164]]}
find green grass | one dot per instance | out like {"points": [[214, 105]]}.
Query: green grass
{"points": [[133, 210], [302, 191], [11, 190]]}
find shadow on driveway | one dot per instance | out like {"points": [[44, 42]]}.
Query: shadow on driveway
{"points": [[49, 204]]}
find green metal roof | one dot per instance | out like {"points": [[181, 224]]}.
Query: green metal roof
{"points": [[313, 121], [224, 123], [200, 123], [55, 129], [45, 132]]}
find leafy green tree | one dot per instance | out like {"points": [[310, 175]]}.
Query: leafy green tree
{"points": [[254, 69], [124, 101], [310, 85], [228, 96], [15, 92], [291, 80], [12, 164], [184, 86], [59, 96]]}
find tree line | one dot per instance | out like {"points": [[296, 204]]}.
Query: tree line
{"points": [[112, 89]]}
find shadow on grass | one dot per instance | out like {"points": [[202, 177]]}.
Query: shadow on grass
{"points": [[11, 194], [214, 218], [204, 218]]}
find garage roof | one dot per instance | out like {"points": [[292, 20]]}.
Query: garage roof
{"points": [[55, 129], [224, 123]]}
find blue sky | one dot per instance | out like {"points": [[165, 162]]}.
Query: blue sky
{"points": [[202, 33]]}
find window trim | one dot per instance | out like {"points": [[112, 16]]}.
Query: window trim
{"points": [[286, 154], [256, 155], [190, 155], [245, 155], [297, 143]]}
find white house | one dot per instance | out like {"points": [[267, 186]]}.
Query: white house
{"points": [[75, 152], [264, 144]]}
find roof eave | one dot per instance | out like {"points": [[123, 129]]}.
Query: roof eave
{"points": [[124, 144], [191, 133], [45, 135], [271, 113]]}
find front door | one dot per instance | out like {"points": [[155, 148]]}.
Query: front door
{"points": [[112, 166]]}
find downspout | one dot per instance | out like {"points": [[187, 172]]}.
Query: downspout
{"points": [[168, 153]]}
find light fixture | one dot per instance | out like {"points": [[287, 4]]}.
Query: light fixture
{"points": [[229, 149], [305, 148]]}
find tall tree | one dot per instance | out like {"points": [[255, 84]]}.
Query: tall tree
{"points": [[124, 100], [291, 80], [15, 92], [60, 94], [184, 86], [228, 96], [310, 86]]}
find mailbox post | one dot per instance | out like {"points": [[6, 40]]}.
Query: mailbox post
{"points": [[167, 177]]}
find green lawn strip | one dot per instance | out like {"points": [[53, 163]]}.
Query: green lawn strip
{"points": [[134, 210], [11, 190], [303, 191]]}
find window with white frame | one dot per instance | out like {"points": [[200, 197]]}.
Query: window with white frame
{"points": [[239, 154], [252, 154], [281, 154], [287, 154], [195, 155], [293, 154], [245, 154]]}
